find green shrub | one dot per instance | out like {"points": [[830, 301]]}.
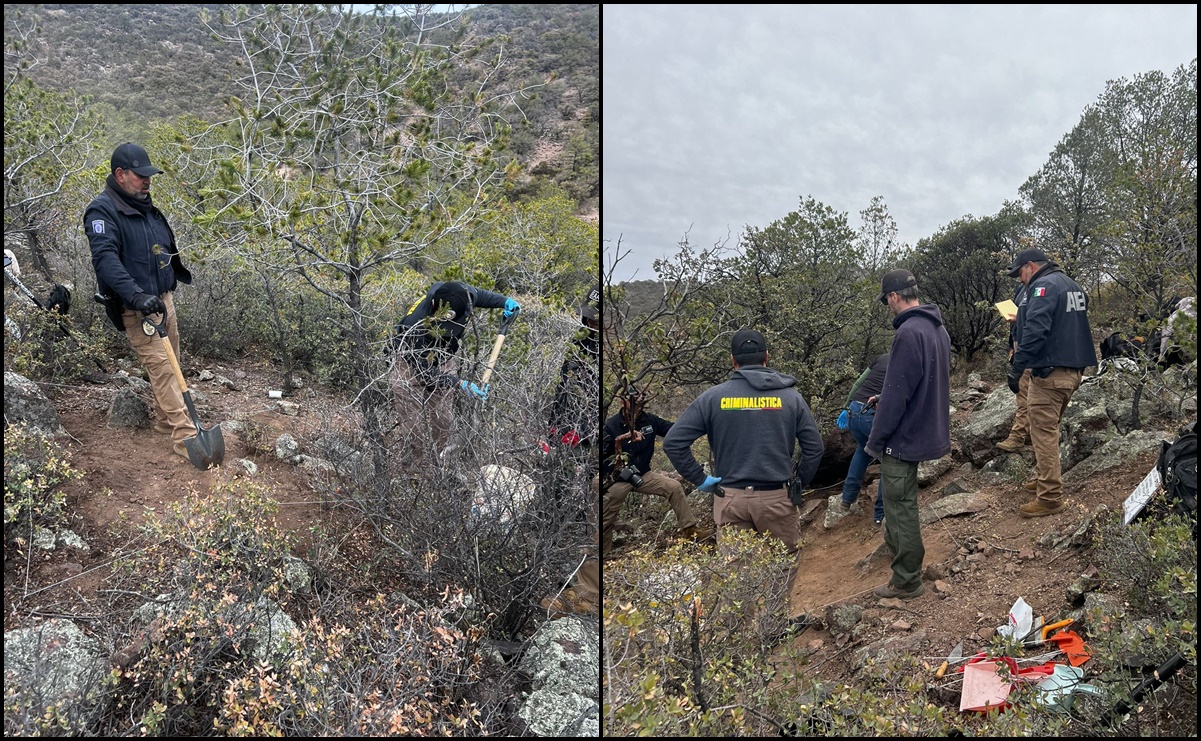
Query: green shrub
{"points": [[35, 468]]}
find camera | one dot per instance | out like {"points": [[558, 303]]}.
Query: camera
{"points": [[629, 474]]}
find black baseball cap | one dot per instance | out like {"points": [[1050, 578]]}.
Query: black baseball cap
{"points": [[747, 342], [454, 295], [895, 280], [1030, 254], [130, 156]]}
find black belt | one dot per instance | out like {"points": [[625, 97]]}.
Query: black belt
{"points": [[762, 487]]}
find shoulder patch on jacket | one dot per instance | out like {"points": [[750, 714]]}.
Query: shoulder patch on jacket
{"points": [[1040, 291], [98, 226]]}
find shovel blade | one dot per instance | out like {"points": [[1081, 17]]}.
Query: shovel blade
{"points": [[206, 448]]}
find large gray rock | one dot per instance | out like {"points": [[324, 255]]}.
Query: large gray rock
{"points": [[128, 409], [930, 471], [53, 664], [25, 402], [563, 662], [1117, 451], [989, 424]]}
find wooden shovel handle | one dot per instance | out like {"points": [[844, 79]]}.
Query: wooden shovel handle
{"points": [[183, 386], [500, 340]]}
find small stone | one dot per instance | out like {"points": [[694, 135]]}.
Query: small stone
{"points": [[901, 625]]}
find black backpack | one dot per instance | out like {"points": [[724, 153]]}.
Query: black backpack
{"points": [[1177, 467]]}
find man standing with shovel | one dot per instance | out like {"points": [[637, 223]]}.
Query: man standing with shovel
{"points": [[137, 267], [428, 335]]}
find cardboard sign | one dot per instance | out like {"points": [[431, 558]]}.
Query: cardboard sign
{"points": [[1140, 496], [1008, 309]]}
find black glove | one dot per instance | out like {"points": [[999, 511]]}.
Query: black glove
{"points": [[148, 304], [1014, 378]]}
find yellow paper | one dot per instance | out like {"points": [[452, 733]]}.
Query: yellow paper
{"points": [[1008, 309]]}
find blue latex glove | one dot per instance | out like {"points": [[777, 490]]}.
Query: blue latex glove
{"points": [[843, 420], [471, 388], [511, 308], [710, 484]]}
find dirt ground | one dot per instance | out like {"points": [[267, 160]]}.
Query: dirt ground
{"points": [[997, 551], [130, 473], [985, 561]]}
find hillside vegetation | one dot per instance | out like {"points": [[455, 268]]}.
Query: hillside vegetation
{"points": [[321, 170]]}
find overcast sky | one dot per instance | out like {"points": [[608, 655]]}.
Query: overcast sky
{"points": [[716, 117]]}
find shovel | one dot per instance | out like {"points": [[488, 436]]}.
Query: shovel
{"points": [[207, 447], [457, 441]]}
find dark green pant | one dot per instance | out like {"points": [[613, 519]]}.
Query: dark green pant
{"points": [[902, 526]]}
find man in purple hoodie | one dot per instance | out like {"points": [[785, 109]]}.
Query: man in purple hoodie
{"points": [[912, 423]]}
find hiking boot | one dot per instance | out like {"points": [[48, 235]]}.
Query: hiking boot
{"points": [[692, 532], [163, 427], [1041, 507], [1012, 444], [568, 603], [841, 507], [181, 450], [1030, 486], [888, 590]]}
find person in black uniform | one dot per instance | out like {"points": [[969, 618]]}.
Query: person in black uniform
{"points": [[138, 267], [627, 445], [427, 336], [573, 413], [1055, 342]]}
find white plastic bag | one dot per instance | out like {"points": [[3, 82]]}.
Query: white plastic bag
{"points": [[1021, 618]]}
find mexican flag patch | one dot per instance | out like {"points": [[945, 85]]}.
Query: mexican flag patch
{"points": [[1040, 291]]}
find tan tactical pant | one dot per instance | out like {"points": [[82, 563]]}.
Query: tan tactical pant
{"points": [[764, 512], [168, 398], [1021, 420], [1047, 399], [653, 482]]}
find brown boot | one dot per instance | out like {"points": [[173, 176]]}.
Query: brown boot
{"points": [[1031, 485], [1012, 444], [692, 532]]}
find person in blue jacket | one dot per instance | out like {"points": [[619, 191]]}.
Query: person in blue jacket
{"points": [[912, 424], [138, 268], [425, 338], [1055, 343]]}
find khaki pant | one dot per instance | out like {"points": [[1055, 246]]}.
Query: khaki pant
{"points": [[168, 398], [653, 482], [1021, 421], [588, 577], [764, 512], [1048, 398], [424, 416]]}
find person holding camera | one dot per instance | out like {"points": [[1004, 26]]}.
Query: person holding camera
{"points": [[627, 445], [754, 422]]}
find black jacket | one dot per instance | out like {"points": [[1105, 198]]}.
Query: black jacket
{"points": [[424, 344], [1052, 329], [640, 452], [575, 404], [754, 421], [133, 249]]}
